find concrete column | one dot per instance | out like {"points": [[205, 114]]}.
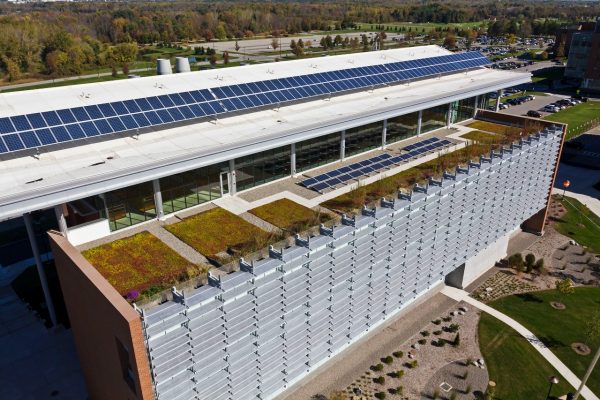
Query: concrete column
{"points": [[343, 146], [384, 134], [40, 267], [449, 115], [475, 106], [232, 178], [419, 122], [158, 202], [293, 159], [498, 99], [60, 217]]}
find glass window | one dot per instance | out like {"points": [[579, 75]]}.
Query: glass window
{"points": [[86, 210], [192, 187], [318, 151], [462, 110], [402, 127], [434, 118], [363, 138], [130, 205], [259, 168]]}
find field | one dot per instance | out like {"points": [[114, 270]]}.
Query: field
{"points": [[217, 230], [579, 223], [519, 371], [140, 263], [580, 118], [558, 329], [288, 215]]}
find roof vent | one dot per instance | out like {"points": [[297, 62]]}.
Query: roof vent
{"points": [[163, 66], [182, 64], [34, 181]]}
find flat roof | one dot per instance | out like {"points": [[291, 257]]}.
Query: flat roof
{"points": [[64, 174]]}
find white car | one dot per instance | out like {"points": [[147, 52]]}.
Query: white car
{"points": [[551, 109], [503, 106]]}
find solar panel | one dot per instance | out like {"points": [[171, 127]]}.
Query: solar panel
{"points": [[167, 108]]}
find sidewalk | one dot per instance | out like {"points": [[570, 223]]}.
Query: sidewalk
{"points": [[461, 295]]}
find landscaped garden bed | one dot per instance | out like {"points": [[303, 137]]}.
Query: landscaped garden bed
{"points": [[291, 216], [482, 137], [221, 236], [141, 265], [510, 132]]}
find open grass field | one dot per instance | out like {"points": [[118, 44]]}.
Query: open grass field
{"points": [[520, 372], [579, 223], [580, 118], [520, 94], [288, 215], [141, 263], [217, 230], [558, 329]]}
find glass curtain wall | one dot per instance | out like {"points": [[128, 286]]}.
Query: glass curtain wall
{"points": [[363, 138], [259, 168], [130, 205], [434, 118], [318, 151], [191, 188], [402, 127], [463, 109]]}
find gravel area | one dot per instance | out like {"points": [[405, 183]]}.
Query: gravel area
{"points": [[466, 379], [431, 360]]}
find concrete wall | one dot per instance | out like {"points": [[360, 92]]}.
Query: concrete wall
{"points": [[252, 333], [100, 319]]}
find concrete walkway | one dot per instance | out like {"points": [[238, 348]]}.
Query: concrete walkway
{"points": [[461, 295]]}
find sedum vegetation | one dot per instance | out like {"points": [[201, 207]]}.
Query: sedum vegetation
{"points": [[141, 265], [291, 216]]}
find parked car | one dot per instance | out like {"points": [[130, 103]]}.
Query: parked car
{"points": [[551, 109], [533, 113], [503, 106]]}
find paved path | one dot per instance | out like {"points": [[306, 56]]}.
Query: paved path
{"points": [[179, 246], [569, 376]]}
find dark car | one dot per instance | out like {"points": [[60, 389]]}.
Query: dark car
{"points": [[533, 113]]}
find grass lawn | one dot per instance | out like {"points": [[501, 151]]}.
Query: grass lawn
{"points": [[480, 136], [520, 372], [142, 263], [521, 94], [418, 27], [286, 214], [579, 118], [557, 329], [218, 230], [579, 223]]}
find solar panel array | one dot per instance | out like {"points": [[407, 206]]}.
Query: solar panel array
{"points": [[331, 179], [36, 130]]}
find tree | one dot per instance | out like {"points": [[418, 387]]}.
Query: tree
{"points": [[213, 59], [564, 287], [220, 32], [122, 54], [225, 57], [296, 48], [529, 262], [539, 265], [275, 43], [591, 332], [237, 46], [12, 68], [450, 41], [516, 261]]}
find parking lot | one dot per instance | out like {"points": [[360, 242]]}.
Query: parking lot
{"points": [[536, 104]]}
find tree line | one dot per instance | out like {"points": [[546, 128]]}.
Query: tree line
{"points": [[60, 39]]}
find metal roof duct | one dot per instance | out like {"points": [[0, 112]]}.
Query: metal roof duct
{"points": [[163, 66], [182, 64]]}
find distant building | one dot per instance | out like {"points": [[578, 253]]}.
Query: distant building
{"points": [[564, 35], [584, 59]]}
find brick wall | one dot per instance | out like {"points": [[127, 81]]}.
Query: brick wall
{"points": [[102, 321]]}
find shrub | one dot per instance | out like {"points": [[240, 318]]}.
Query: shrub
{"points": [[447, 319], [388, 359], [437, 322], [400, 390], [377, 367], [438, 343], [465, 375], [469, 389], [453, 396], [399, 373], [529, 261], [437, 333], [380, 380], [456, 341], [422, 341], [380, 395], [398, 354], [413, 364], [435, 395], [453, 328], [425, 333]]}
